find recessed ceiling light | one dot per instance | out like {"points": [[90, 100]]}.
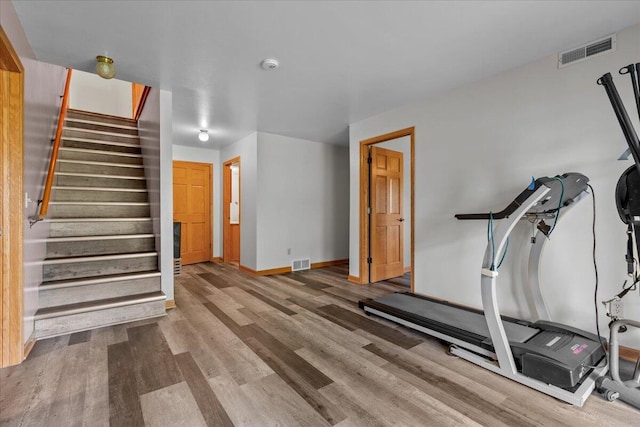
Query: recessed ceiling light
{"points": [[269, 64], [203, 135]]}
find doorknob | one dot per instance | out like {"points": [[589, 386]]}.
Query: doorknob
{"points": [[400, 219]]}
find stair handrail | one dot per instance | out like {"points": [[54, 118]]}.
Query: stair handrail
{"points": [[143, 100], [44, 203]]}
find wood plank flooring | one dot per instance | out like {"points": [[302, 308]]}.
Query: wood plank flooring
{"points": [[287, 350]]}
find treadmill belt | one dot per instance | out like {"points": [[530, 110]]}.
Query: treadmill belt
{"points": [[454, 316]]}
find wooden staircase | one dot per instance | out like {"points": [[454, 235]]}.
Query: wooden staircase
{"points": [[101, 266]]}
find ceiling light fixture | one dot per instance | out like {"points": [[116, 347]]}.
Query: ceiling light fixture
{"points": [[269, 64], [105, 67], [203, 135]]}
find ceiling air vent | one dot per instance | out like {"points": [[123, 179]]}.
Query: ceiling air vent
{"points": [[588, 50]]}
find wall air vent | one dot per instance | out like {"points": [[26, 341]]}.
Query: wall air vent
{"points": [[300, 264], [588, 50]]}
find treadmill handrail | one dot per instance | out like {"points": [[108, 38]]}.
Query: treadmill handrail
{"points": [[574, 186], [517, 202], [488, 284]]}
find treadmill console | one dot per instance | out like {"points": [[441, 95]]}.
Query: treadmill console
{"points": [[567, 186]]}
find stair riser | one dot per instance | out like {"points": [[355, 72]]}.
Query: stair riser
{"points": [[91, 181], [98, 156], [101, 228], [74, 114], [99, 169], [60, 195], [100, 247], [76, 133], [98, 211], [73, 270], [98, 291], [100, 127], [96, 145], [79, 322]]}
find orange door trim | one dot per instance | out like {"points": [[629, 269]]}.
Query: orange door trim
{"points": [[364, 198]]}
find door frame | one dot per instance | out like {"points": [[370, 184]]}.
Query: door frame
{"points": [[226, 212], [364, 197], [11, 195]]}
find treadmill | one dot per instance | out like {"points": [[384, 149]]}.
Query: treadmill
{"points": [[556, 359]]}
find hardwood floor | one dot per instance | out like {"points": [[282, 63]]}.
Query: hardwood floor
{"points": [[285, 350]]}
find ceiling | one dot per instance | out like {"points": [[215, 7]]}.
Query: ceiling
{"points": [[340, 62]]}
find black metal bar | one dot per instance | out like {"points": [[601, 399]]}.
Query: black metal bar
{"points": [[634, 72], [636, 88], [623, 118]]}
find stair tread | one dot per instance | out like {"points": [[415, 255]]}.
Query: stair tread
{"points": [[100, 203], [98, 151], [100, 115], [116, 189], [103, 219], [83, 307], [89, 258], [94, 175], [106, 124], [96, 163], [100, 237], [100, 141], [67, 283], [100, 132]]}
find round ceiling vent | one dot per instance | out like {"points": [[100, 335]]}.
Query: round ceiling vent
{"points": [[269, 64]]}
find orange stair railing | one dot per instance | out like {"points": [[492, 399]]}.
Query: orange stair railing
{"points": [[44, 205]]}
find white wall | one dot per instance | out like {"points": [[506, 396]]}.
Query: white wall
{"points": [[247, 149], [203, 155], [90, 92], [155, 130], [477, 148], [302, 201], [12, 27], [43, 86], [166, 191], [403, 145]]}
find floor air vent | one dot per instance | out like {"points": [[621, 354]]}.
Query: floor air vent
{"points": [[586, 51], [301, 264]]}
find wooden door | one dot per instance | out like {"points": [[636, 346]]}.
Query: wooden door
{"points": [[192, 208], [387, 223]]}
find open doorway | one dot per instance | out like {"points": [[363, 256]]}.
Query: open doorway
{"points": [[387, 208], [231, 211]]}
